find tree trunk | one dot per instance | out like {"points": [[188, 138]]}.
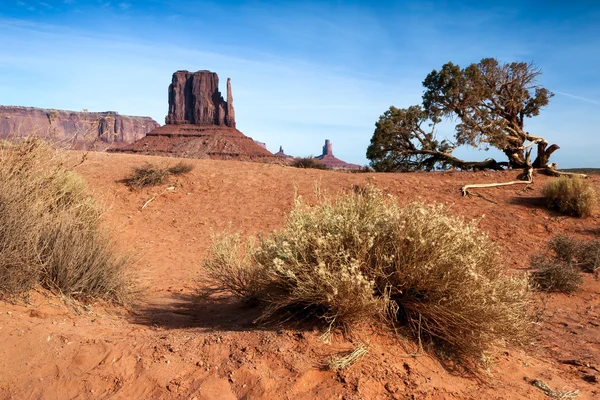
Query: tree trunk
{"points": [[516, 157], [543, 155]]}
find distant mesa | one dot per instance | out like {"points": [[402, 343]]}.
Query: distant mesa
{"points": [[200, 123], [332, 162], [71, 129]]}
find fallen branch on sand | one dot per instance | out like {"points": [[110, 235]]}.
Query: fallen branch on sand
{"points": [[552, 170], [527, 179], [170, 188]]}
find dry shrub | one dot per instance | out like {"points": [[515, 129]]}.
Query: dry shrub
{"points": [[50, 231], [151, 175], [361, 257], [554, 275], [308, 162], [181, 168], [559, 269], [146, 175], [571, 196], [585, 255]]}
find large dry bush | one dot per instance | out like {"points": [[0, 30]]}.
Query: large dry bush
{"points": [[50, 229], [361, 257], [572, 196]]}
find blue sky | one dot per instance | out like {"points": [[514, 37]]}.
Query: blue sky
{"points": [[301, 72]]}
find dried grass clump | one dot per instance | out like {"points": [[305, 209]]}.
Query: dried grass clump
{"points": [[571, 196], [151, 175], [146, 175], [50, 231], [348, 359], [362, 257], [308, 162], [553, 275], [181, 168], [559, 269]]}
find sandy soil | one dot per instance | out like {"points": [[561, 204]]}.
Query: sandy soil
{"points": [[171, 346]]}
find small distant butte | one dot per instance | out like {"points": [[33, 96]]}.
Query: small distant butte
{"points": [[333, 162]]}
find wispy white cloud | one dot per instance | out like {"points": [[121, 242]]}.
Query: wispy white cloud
{"points": [[578, 97], [124, 6]]}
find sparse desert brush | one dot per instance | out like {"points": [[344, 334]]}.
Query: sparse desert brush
{"points": [[571, 196], [146, 175], [308, 162], [151, 175], [555, 275], [559, 269], [50, 230], [361, 257], [181, 168]]}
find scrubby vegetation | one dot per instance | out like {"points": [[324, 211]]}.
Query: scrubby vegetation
{"points": [[571, 196], [362, 257], [50, 231], [559, 270], [181, 168], [151, 175], [308, 162], [553, 275]]}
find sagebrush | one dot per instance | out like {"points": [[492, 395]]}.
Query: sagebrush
{"points": [[559, 269], [151, 175], [361, 257], [570, 195], [50, 230], [555, 275], [308, 162]]}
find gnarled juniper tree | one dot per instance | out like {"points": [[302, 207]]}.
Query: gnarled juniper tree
{"points": [[490, 102]]}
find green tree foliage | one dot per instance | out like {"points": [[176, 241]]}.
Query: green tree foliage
{"points": [[490, 102], [402, 143]]}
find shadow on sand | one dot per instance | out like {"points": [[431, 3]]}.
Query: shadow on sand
{"points": [[223, 313]]}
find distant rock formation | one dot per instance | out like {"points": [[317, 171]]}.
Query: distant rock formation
{"points": [[194, 98], [200, 123], [73, 129], [281, 153], [261, 144], [332, 162]]}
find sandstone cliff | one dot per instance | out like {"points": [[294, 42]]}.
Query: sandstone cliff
{"points": [[73, 129]]}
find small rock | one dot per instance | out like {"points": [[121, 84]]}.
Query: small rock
{"points": [[591, 378]]}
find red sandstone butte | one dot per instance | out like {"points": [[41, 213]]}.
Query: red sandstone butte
{"points": [[332, 162], [200, 123]]}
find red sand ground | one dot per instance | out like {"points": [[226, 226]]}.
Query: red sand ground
{"points": [[169, 346]]}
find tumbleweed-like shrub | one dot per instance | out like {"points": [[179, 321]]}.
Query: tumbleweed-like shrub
{"points": [[146, 175], [583, 254], [571, 196], [555, 275], [50, 230], [152, 175], [361, 257], [181, 168], [308, 162]]}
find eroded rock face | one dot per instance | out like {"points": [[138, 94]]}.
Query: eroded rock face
{"points": [[73, 129], [195, 99]]}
